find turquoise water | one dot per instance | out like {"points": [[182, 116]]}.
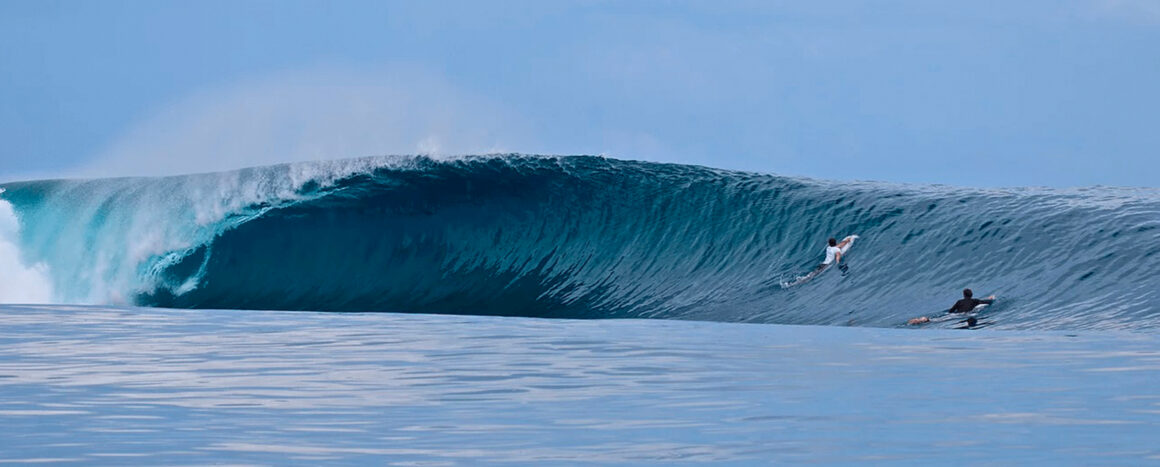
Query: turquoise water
{"points": [[478, 267], [583, 237], [141, 386]]}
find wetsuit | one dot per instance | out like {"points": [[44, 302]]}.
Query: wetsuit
{"points": [[967, 304]]}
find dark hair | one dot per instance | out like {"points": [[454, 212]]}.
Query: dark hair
{"points": [[833, 242], [967, 293]]}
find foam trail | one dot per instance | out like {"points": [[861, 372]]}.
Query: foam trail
{"points": [[19, 283]]}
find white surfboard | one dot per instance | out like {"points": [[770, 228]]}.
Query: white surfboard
{"points": [[850, 239]]}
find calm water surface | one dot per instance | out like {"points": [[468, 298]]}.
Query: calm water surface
{"points": [[150, 386]]}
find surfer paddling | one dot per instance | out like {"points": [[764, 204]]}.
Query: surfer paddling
{"points": [[834, 252], [965, 305]]}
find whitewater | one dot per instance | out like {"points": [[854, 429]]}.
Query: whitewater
{"points": [[536, 310]]}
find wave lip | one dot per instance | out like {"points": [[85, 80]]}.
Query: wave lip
{"points": [[591, 237]]}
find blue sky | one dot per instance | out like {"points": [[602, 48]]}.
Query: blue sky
{"points": [[981, 93]]}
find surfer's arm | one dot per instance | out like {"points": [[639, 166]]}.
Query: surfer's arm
{"points": [[844, 242], [838, 258]]}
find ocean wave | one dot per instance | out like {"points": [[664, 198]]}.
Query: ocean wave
{"points": [[590, 237]]}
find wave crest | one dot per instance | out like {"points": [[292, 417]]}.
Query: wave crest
{"points": [[590, 237]]}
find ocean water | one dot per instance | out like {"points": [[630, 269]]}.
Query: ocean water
{"points": [[152, 386], [529, 309]]}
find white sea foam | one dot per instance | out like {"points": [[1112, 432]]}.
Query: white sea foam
{"points": [[105, 241], [19, 283]]}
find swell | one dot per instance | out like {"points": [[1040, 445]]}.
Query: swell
{"points": [[589, 237]]}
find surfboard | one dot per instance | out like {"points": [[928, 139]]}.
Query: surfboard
{"points": [[973, 323], [821, 268], [956, 318]]}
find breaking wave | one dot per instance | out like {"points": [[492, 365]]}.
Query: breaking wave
{"points": [[584, 237]]}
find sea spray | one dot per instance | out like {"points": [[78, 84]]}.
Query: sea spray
{"points": [[19, 282]]}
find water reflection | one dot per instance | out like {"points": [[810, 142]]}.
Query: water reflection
{"points": [[112, 385]]}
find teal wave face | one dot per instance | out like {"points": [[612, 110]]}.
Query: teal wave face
{"points": [[590, 237]]}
